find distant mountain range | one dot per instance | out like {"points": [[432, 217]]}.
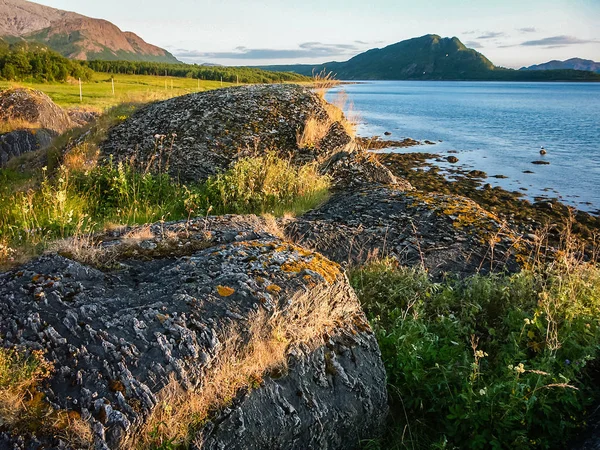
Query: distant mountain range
{"points": [[429, 57], [74, 35], [573, 63]]}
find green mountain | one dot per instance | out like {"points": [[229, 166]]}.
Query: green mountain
{"points": [[74, 35], [429, 57]]}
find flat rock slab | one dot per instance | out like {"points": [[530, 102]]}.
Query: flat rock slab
{"points": [[441, 232], [160, 313], [198, 135]]}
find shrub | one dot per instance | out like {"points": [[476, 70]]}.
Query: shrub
{"points": [[487, 362]]}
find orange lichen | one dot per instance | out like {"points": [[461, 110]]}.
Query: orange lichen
{"points": [[225, 291], [273, 289]]}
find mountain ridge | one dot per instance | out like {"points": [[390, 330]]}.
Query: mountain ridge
{"points": [[572, 63], [428, 57], [74, 35]]}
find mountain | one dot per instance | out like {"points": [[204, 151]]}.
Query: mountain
{"points": [[74, 35], [428, 57], [573, 63]]}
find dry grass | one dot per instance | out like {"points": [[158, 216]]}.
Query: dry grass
{"points": [[313, 132], [22, 405], [323, 81], [137, 235], [316, 128], [247, 352], [81, 158], [6, 126]]}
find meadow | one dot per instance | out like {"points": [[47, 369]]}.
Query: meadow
{"points": [[98, 95]]}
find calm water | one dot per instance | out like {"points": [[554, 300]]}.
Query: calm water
{"points": [[498, 128]]}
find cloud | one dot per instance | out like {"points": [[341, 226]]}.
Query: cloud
{"points": [[491, 35], [304, 50], [473, 44], [527, 30], [471, 32], [557, 41]]}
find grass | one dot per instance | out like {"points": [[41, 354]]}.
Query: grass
{"points": [[97, 93], [489, 361], [22, 406], [79, 196]]}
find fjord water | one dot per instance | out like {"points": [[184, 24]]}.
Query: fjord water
{"points": [[497, 127]]}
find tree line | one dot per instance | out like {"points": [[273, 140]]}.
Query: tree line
{"points": [[21, 62], [215, 73]]}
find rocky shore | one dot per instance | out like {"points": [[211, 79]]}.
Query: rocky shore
{"points": [[143, 323]]}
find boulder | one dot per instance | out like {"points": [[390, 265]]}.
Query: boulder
{"points": [[33, 108], [355, 168], [443, 233], [198, 135], [19, 142], [180, 307], [33, 119]]}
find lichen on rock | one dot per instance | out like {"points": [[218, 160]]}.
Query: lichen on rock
{"points": [[119, 336]]}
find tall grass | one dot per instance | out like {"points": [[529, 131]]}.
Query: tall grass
{"points": [[84, 197], [487, 362]]}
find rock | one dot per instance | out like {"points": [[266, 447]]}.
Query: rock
{"points": [[82, 117], [198, 135], [387, 133], [477, 174], [376, 143], [443, 233], [500, 176], [116, 337], [540, 162], [34, 120], [350, 169], [528, 171], [18, 142], [452, 159], [34, 108]]}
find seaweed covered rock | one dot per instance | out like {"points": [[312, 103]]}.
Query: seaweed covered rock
{"points": [[356, 167], [443, 233], [198, 135], [212, 330]]}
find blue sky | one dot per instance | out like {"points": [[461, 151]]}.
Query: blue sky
{"points": [[511, 33]]}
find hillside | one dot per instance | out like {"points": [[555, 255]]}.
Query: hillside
{"points": [[74, 35], [573, 63], [428, 57]]}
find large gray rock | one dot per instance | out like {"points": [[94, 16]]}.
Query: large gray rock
{"points": [[198, 135], [442, 233], [33, 107], [117, 336]]}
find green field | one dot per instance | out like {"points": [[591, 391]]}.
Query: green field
{"points": [[97, 93]]}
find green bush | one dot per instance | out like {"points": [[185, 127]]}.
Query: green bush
{"points": [[486, 362], [266, 185]]}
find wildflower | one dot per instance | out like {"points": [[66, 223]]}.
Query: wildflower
{"points": [[483, 391], [527, 322], [520, 368], [480, 354], [567, 362], [511, 367]]}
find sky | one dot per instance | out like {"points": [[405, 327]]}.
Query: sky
{"points": [[511, 33]]}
